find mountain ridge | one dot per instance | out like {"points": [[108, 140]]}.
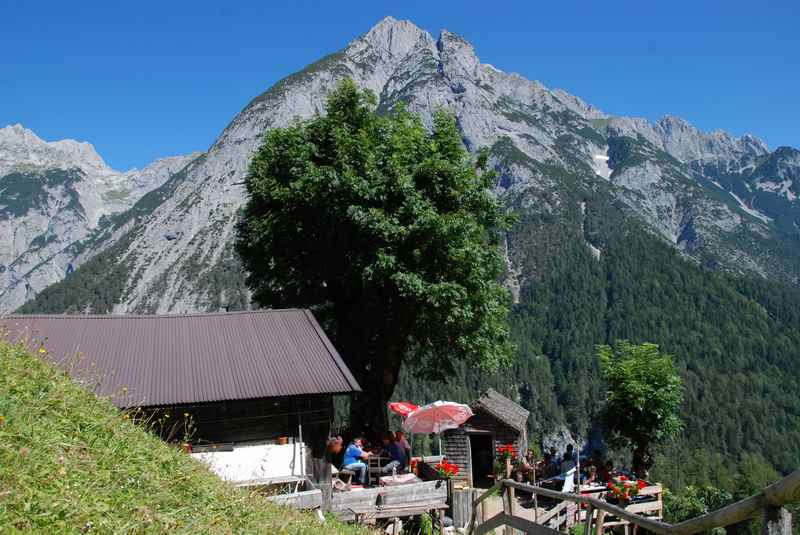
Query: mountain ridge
{"points": [[54, 195], [530, 127], [649, 231]]}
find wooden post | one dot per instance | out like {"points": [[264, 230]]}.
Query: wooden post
{"points": [[317, 463], [777, 521], [601, 517], [535, 499], [504, 500], [508, 507], [511, 507], [587, 526], [441, 521], [510, 496]]}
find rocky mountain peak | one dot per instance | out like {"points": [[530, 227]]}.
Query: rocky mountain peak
{"points": [[20, 146], [397, 38], [458, 55], [754, 145]]}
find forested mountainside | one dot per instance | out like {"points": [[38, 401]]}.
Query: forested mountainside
{"points": [[628, 229], [736, 341]]}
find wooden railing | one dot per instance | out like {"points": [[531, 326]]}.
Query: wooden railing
{"points": [[769, 503]]}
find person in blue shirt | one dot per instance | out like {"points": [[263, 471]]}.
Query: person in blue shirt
{"points": [[354, 458], [395, 451]]}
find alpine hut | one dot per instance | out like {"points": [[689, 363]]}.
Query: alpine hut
{"points": [[250, 393], [497, 421]]}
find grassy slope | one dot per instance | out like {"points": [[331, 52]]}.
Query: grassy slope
{"points": [[72, 463]]}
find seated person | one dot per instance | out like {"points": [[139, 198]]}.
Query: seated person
{"points": [[393, 449], [527, 466], [400, 437], [545, 468], [354, 458], [606, 473], [335, 451], [591, 475], [555, 462], [569, 460]]}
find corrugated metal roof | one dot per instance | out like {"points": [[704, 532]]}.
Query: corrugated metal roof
{"points": [[502, 408], [194, 358]]}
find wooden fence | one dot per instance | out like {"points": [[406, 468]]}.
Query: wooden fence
{"points": [[767, 503]]}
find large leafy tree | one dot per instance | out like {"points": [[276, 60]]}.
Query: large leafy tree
{"points": [[643, 397], [388, 232]]}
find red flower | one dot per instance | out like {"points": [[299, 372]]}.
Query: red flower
{"points": [[446, 469], [623, 478], [641, 484]]}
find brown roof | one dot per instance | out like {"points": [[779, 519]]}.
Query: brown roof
{"points": [[502, 408], [194, 358]]}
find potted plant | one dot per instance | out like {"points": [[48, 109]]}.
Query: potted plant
{"points": [[447, 471], [507, 454], [621, 490]]}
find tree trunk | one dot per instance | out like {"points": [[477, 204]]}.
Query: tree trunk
{"points": [[373, 346], [368, 410], [642, 460]]}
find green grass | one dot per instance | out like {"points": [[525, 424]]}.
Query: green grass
{"points": [[73, 463]]}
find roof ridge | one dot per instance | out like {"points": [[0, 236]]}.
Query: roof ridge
{"points": [[152, 316]]}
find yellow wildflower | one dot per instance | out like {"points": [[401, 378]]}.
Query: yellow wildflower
{"points": [[2, 419], [42, 350]]}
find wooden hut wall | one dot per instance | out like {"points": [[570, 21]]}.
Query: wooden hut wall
{"points": [[251, 420], [455, 447], [503, 433]]}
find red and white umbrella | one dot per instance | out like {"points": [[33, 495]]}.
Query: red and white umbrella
{"points": [[403, 408], [437, 417]]}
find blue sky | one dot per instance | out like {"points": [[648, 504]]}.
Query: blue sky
{"points": [[143, 79]]}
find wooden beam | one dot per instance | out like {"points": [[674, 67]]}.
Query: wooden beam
{"points": [[552, 512], [494, 488], [643, 507], [341, 501], [477, 502], [522, 524], [647, 523], [310, 499], [785, 491], [427, 491]]}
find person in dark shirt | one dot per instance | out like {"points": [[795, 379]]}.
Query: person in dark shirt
{"points": [[336, 451], [606, 472], [398, 455]]}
